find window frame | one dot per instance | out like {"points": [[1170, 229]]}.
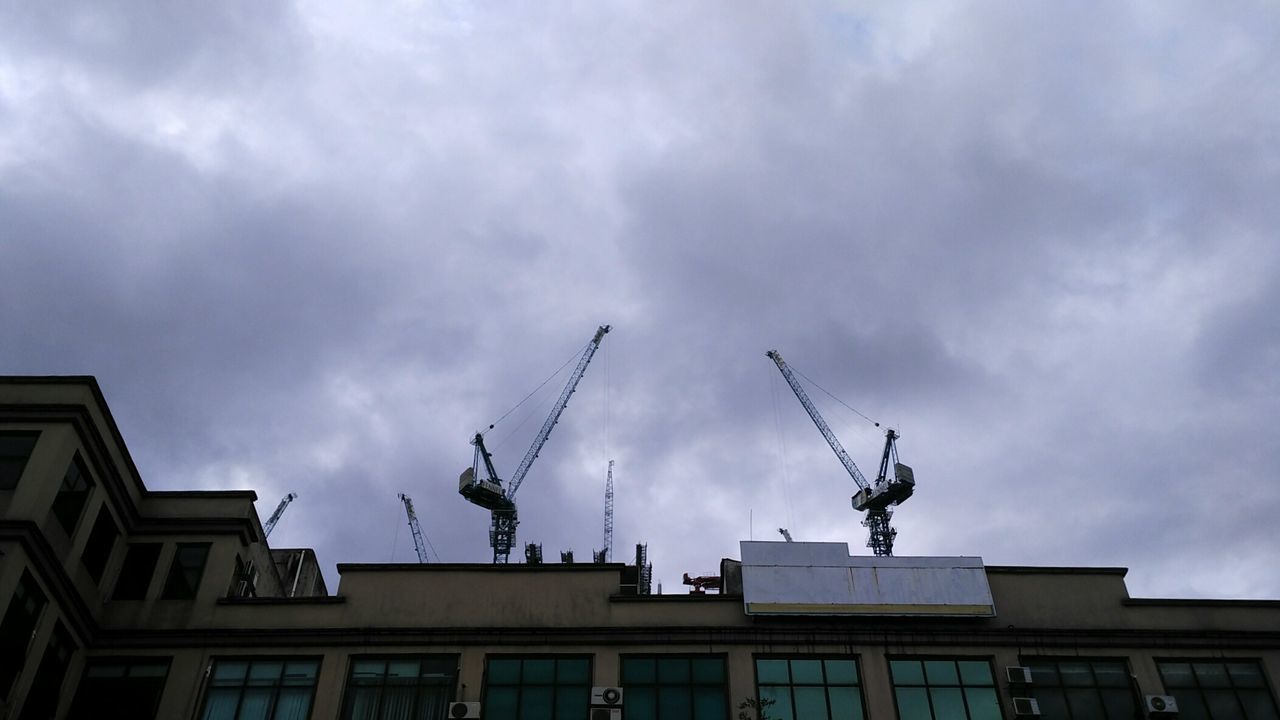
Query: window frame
{"points": [[126, 570], [1259, 662], [96, 555], [347, 685], [822, 657], [171, 590], [45, 692], [41, 600], [486, 683], [990, 660], [724, 685], [1131, 684], [279, 685], [66, 519], [129, 662], [9, 461]]}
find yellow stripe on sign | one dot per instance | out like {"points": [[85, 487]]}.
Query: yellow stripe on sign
{"points": [[837, 609]]}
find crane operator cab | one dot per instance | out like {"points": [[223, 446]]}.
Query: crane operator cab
{"points": [[887, 492]]}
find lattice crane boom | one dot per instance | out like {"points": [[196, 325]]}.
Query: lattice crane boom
{"points": [[608, 515], [270, 524], [419, 543], [814, 415]]}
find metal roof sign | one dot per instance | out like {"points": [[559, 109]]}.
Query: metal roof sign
{"points": [[780, 578]]}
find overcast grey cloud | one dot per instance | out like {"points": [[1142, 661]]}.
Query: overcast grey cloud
{"points": [[312, 246]]}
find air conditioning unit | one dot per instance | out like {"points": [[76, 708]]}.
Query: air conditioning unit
{"points": [[1162, 705], [1018, 675], [601, 713], [1026, 707], [464, 710], [607, 696]]}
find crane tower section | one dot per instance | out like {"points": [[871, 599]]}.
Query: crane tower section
{"points": [[480, 483], [875, 499], [270, 524], [419, 543]]}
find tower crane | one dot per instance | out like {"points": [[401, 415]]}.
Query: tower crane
{"points": [[786, 534], [876, 498], [480, 483], [270, 524], [418, 543], [608, 516]]}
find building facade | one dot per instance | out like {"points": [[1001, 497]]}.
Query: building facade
{"points": [[120, 601]]}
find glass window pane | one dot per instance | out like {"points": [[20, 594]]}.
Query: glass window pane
{"points": [[708, 670], [265, 673], [906, 672], [402, 670], [500, 702], [254, 704], [292, 704], [504, 671], [913, 704], [846, 703], [363, 703], [1258, 705], [1191, 706], [229, 671], [1211, 675], [539, 671], [811, 702], [673, 670], [941, 672], [781, 697], [984, 704], [641, 704], [806, 672], [975, 672], [639, 670], [1111, 674], [674, 702], [1120, 704], [772, 672], [300, 673], [535, 702], [708, 704], [841, 672], [572, 702], [1245, 675], [1053, 703], [1075, 674], [220, 704], [1085, 702], [948, 703], [1177, 675], [1222, 704], [1043, 673], [573, 670]]}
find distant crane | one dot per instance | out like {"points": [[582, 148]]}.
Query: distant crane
{"points": [[419, 543], [486, 489], [785, 534], [874, 499], [270, 524], [608, 516]]}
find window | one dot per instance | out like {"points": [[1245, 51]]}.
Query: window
{"points": [[401, 687], [69, 503], [1081, 689], [42, 699], [244, 582], [1228, 690], [15, 450], [185, 572], [135, 574], [120, 689], [810, 688], [545, 688], [16, 628], [259, 689], [943, 689], [102, 539], [666, 687]]}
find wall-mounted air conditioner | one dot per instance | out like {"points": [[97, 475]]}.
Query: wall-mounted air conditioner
{"points": [[1162, 705], [1026, 707], [464, 710], [607, 696], [1018, 675]]}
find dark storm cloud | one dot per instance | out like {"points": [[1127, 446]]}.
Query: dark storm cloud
{"points": [[313, 248]]}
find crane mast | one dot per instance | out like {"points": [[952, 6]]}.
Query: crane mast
{"points": [[270, 524], [874, 499], [418, 543], [608, 516], [487, 491]]}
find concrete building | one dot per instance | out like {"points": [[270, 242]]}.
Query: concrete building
{"points": [[120, 601]]}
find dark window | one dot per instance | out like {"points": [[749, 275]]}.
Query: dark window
{"points": [[135, 574], [279, 689], [69, 503], [537, 688], [809, 688], [185, 572], [402, 686], [120, 689], [101, 541], [15, 450], [16, 628], [1081, 689], [1230, 690], [244, 582], [667, 687], [42, 700], [943, 689]]}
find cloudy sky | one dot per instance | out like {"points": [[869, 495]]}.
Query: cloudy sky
{"points": [[312, 246]]}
